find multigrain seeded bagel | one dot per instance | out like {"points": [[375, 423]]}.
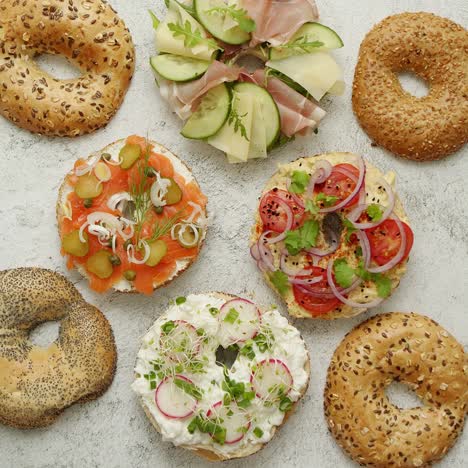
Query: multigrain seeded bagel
{"points": [[211, 451], [37, 384], [435, 49], [414, 350], [91, 36]]}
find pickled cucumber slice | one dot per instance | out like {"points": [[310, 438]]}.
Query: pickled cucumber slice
{"points": [[174, 193], [158, 249], [72, 244], [88, 186], [100, 264], [129, 155]]}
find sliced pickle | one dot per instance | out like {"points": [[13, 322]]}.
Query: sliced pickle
{"points": [[72, 244], [88, 186], [129, 155], [100, 264], [158, 249], [187, 239], [174, 193]]}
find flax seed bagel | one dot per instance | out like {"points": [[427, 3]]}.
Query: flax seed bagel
{"points": [[414, 350], [91, 36], [435, 49], [37, 384]]}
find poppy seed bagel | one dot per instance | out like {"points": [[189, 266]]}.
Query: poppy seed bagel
{"points": [[414, 350], [435, 49], [37, 384], [91, 36]]}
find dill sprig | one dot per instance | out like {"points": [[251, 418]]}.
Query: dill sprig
{"points": [[161, 229]]}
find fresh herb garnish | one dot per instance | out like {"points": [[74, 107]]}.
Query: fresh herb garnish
{"points": [[180, 300], [258, 432], [247, 350], [302, 45], [161, 229], [240, 16], [303, 238], [350, 229], [327, 200], [311, 207], [231, 316], [264, 340], [375, 212], [235, 120], [191, 37], [285, 404], [280, 281], [299, 182], [237, 391], [344, 274], [208, 426], [214, 311], [168, 326], [155, 19], [189, 388]]}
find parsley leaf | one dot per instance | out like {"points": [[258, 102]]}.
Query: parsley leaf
{"points": [[191, 37], [327, 200], [231, 316], [350, 229], [384, 286], [280, 281], [240, 16], [375, 212], [311, 207], [299, 182], [344, 274], [303, 238]]}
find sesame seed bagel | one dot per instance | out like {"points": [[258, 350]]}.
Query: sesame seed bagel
{"points": [[204, 446], [91, 36], [37, 384], [408, 348], [435, 49]]}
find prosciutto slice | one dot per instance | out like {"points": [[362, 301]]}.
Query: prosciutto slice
{"points": [[277, 20], [183, 98], [298, 114]]}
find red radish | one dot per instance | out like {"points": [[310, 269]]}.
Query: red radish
{"points": [[236, 425], [174, 402], [240, 320], [183, 337], [271, 378]]}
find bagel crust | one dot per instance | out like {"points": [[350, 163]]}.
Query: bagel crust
{"points": [[91, 36], [435, 49], [37, 384], [414, 350]]}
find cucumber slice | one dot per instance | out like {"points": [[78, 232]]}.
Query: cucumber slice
{"points": [[309, 32], [177, 68], [211, 114], [268, 107], [318, 73], [220, 25]]}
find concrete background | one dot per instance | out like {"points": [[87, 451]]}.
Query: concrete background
{"points": [[113, 431]]}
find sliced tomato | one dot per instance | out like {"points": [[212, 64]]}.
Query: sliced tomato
{"points": [[273, 216], [385, 241], [339, 185], [315, 305]]}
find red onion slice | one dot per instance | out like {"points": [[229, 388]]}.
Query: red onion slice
{"points": [[289, 222], [347, 173], [264, 250], [323, 169], [359, 186], [306, 281], [357, 212], [327, 293], [345, 300], [255, 251], [400, 254], [285, 268], [365, 246]]}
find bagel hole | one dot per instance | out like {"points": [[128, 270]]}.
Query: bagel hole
{"points": [[226, 356], [401, 396], [413, 84], [57, 66], [45, 334]]}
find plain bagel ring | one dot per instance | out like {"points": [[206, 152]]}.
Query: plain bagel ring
{"points": [[91, 36], [435, 49], [37, 384], [416, 351]]}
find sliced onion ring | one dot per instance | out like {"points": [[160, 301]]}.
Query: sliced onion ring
{"points": [[88, 166], [131, 253], [323, 169], [345, 300], [285, 268]]}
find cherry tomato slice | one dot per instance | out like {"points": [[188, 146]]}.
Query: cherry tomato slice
{"points": [[273, 216], [315, 305], [385, 241], [339, 185]]}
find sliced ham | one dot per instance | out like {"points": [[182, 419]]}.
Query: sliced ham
{"points": [[298, 114], [277, 21], [183, 98]]}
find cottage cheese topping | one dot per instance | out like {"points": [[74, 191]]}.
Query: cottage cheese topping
{"points": [[275, 341]]}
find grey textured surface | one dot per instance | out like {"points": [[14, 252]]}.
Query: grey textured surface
{"points": [[113, 431]]}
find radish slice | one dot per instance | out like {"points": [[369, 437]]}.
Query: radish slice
{"points": [[172, 401], [236, 424], [271, 379], [181, 343], [240, 320]]}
